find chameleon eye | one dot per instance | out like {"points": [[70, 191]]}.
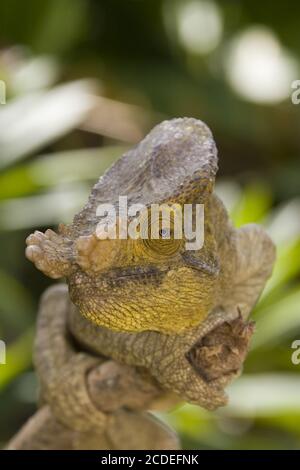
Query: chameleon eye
{"points": [[164, 244], [164, 234], [160, 240], [162, 247]]}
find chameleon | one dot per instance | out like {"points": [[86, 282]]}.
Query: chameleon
{"points": [[181, 316]]}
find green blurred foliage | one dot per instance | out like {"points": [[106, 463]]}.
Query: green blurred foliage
{"points": [[87, 78]]}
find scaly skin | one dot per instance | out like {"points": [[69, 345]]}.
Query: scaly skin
{"points": [[181, 315]]}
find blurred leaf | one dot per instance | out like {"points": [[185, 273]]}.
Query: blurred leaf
{"points": [[18, 358], [57, 168], [284, 223], [229, 192], [32, 73], [253, 205], [16, 303], [278, 320], [31, 122], [264, 395], [44, 210], [16, 182], [287, 267]]}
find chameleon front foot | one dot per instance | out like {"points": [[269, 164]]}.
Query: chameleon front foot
{"points": [[49, 252], [198, 364], [221, 353]]}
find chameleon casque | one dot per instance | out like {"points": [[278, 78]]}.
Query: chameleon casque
{"points": [[179, 316]]}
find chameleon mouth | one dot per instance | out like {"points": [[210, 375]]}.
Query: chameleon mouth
{"points": [[135, 273], [209, 265]]}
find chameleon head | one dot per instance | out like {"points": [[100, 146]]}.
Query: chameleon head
{"points": [[143, 283]]}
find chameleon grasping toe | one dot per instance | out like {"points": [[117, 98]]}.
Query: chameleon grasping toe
{"points": [[180, 315]]}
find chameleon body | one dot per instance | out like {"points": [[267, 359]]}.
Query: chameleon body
{"points": [[179, 315]]}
